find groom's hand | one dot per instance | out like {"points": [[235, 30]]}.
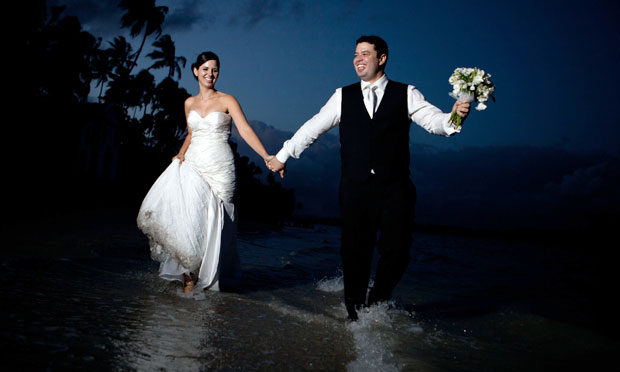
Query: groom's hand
{"points": [[276, 166], [461, 109]]}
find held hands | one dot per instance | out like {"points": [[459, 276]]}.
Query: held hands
{"points": [[274, 165]]}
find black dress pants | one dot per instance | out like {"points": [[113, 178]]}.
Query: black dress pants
{"points": [[381, 213]]}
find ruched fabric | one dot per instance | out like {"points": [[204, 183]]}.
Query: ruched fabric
{"points": [[188, 215]]}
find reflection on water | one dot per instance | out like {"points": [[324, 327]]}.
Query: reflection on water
{"points": [[116, 314], [465, 304], [167, 332]]}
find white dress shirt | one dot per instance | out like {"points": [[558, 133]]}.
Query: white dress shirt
{"points": [[420, 111]]}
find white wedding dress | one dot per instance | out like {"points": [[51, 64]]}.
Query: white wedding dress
{"points": [[188, 215]]}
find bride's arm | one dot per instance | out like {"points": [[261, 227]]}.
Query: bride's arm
{"points": [[244, 128], [188, 137]]}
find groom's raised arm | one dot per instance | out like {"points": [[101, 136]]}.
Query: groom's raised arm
{"points": [[431, 118], [327, 118]]}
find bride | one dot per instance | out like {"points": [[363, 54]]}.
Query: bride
{"points": [[188, 214]]}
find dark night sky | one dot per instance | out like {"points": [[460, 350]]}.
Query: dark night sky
{"points": [[550, 138]]}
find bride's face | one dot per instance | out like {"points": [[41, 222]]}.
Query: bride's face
{"points": [[207, 73]]}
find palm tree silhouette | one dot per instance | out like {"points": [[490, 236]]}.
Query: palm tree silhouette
{"points": [[166, 57], [120, 54], [142, 15], [170, 122], [144, 89], [101, 69]]}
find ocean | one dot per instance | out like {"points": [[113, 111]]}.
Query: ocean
{"points": [[88, 297]]}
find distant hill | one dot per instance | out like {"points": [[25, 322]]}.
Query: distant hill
{"points": [[314, 176], [502, 187]]}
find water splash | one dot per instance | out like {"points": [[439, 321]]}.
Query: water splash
{"points": [[335, 284], [373, 344]]}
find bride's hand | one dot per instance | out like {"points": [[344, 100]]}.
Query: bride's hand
{"points": [[274, 165], [181, 158], [267, 159]]}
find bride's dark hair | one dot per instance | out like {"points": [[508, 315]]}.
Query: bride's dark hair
{"points": [[204, 57]]}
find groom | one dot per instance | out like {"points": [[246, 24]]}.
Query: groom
{"points": [[376, 193]]}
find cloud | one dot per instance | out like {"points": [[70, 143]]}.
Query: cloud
{"points": [[103, 18], [517, 187], [587, 181], [100, 18], [183, 15], [251, 12]]}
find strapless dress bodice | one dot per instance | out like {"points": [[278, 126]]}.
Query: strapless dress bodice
{"points": [[209, 152], [214, 126]]}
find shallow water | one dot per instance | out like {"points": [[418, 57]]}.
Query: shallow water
{"points": [[465, 304]]}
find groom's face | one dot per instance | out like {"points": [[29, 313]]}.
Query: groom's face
{"points": [[368, 66]]}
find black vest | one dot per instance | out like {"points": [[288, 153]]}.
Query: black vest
{"points": [[380, 144]]}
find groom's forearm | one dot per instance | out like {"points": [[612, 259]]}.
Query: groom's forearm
{"points": [[324, 120], [302, 139]]}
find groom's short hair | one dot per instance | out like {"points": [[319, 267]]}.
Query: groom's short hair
{"points": [[380, 45]]}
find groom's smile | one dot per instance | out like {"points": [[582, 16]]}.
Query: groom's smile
{"points": [[368, 65]]}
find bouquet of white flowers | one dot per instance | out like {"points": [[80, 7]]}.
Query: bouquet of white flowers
{"points": [[468, 85]]}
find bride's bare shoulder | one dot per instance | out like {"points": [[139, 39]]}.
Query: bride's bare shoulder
{"points": [[228, 98], [189, 102]]}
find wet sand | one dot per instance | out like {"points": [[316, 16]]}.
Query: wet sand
{"points": [[79, 291]]}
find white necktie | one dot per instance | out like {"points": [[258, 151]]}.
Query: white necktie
{"points": [[371, 96]]}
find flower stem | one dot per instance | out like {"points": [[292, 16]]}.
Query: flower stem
{"points": [[456, 119]]}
